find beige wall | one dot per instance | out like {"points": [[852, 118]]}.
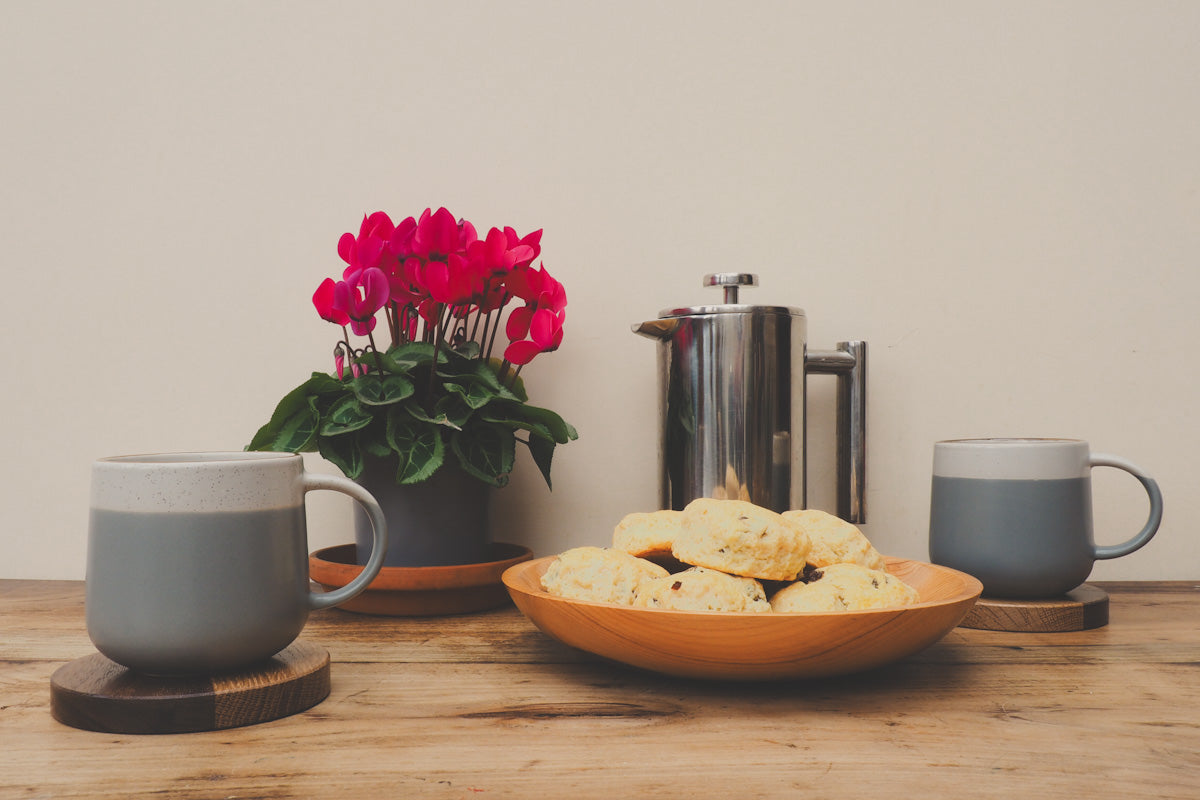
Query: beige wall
{"points": [[1002, 198]]}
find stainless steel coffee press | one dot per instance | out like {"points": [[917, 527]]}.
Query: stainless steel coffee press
{"points": [[732, 403]]}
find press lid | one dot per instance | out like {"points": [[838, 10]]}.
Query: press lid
{"points": [[731, 282]]}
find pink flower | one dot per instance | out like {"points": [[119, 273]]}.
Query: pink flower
{"points": [[400, 242], [366, 294], [438, 234], [533, 241], [537, 326], [497, 255], [330, 303], [339, 359], [366, 250], [544, 328], [537, 287], [453, 281]]}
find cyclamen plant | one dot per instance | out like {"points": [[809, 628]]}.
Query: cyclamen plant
{"points": [[436, 390]]}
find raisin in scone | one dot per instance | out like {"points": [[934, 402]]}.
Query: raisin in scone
{"points": [[844, 587], [741, 538], [598, 574], [835, 541], [700, 589], [647, 533]]}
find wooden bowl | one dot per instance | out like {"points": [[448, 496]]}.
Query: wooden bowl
{"points": [[420, 591], [751, 646]]}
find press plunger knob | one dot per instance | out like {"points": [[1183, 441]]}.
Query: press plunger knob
{"points": [[730, 281]]}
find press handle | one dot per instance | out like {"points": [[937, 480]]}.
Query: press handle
{"points": [[731, 282], [849, 363]]}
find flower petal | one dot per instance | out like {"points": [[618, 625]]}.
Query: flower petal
{"points": [[345, 245], [542, 327], [521, 352], [325, 300], [518, 323], [376, 289]]}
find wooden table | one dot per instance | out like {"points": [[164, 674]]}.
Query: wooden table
{"points": [[485, 706]]}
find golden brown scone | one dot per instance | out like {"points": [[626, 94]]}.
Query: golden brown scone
{"points": [[700, 589], [598, 574], [844, 587], [647, 533], [741, 538], [835, 541]]}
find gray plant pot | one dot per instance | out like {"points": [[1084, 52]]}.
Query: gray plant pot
{"points": [[438, 522]]}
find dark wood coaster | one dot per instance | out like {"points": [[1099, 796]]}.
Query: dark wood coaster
{"points": [[97, 694], [1080, 609]]}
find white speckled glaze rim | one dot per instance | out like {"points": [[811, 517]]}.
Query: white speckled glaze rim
{"points": [[1011, 458], [198, 482]]}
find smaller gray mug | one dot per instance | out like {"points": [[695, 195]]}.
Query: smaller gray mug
{"points": [[1017, 513], [198, 562]]}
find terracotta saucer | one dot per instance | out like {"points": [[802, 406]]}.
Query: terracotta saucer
{"points": [[420, 591]]}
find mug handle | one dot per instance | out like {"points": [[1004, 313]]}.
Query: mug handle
{"points": [[378, 546], [1156, 506]]}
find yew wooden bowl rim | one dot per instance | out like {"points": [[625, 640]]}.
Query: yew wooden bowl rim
{"points": [[750, 646]]}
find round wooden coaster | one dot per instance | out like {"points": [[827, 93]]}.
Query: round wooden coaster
{"points": [[1080, 609], [97, 694]]}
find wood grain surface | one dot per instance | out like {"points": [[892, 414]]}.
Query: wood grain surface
{"points": [[487, 706]]}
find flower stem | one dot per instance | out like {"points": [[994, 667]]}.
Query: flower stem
{"points": [[375, 350], [437, 342], [503, 303], [479, 312], [349, 349]]}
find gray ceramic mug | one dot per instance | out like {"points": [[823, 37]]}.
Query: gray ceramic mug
{"points": [[198, 562], [1017, 513]]}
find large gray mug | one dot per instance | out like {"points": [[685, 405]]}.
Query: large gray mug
{"points": [[1017, 513], [198, 562]]}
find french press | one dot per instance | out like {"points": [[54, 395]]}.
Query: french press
{"points": [[732, 400]]}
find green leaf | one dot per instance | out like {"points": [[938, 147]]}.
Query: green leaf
{"points": [[452, 411], [442, 413], [468, 349], [455, 362], [294, 434], [293, 423], [345, 416], [373, 440], [344, 453], [517, 387], [539, 421], [542, 451], [322, 383], [419, 446], [473, 393], [537, 430], [412, 354], [399, 360], [485, 451], [376, 391]]}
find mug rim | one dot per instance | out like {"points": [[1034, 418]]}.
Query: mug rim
{"points": [[1000, 441], [197, 458]]}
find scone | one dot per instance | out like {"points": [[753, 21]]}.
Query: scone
{"points": [[741, 538], [598, 574], [844, 587], [646, 533], [835, 541], [700, 589]]}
